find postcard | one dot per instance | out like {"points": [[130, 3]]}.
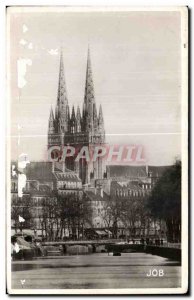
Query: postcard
{"points": [[97, 150]]}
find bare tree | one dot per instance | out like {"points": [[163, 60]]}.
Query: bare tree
{"points": [[73, 214], [48, 217], [21, 206]]}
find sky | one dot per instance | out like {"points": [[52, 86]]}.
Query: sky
{"points": [[136, 64]]}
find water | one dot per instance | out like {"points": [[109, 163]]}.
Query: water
{"points": [[96, 271]]}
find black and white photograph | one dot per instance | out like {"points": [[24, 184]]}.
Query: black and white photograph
{"points": [[97, 150]]}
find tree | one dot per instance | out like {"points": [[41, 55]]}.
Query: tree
{"points": [[21, 206], [116, 208], [131, 215], [165, 201], [74, 213], [48, 216], [107, 215]]}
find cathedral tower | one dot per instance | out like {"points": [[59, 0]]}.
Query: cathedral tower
{"points": [[78, 130]]}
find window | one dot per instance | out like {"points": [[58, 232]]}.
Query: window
{"points": [[13, 186], [35, 201]]}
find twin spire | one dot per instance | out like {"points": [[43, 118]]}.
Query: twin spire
{"points": [[89, 121]]}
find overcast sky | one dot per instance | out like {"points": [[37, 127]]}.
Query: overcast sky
{"points": [[136, 66]]}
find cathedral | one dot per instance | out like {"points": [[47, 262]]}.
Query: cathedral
{"points": [[77, 129], [95, 182]]}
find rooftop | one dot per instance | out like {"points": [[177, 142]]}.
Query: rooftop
{"points": [[96, 197], [135, 171]]}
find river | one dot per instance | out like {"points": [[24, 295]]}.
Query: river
{"points": [[97, 271]]}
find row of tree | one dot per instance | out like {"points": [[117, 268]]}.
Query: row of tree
{"points": [[54, 215], [130, 214], [65, 214], [160, 209], [60, 214]]}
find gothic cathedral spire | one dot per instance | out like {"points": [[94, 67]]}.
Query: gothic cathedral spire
{"points": [[89, 98], [62, 92], [62, 101]]}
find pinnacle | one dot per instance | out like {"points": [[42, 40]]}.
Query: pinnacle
{"points": [[78, 113], [73, 113], [51, 114], [101, 120]]}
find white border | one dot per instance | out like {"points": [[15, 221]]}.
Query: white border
{"points": [[184, 40]]}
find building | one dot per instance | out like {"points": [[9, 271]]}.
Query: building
{"points": [[103, 202], [44, 181], [20, 206], [78, 129]]}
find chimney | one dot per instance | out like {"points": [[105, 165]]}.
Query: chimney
{"points": [[53, 166], [37, 185], [147, 171], [63, 167], [100, 191]]}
